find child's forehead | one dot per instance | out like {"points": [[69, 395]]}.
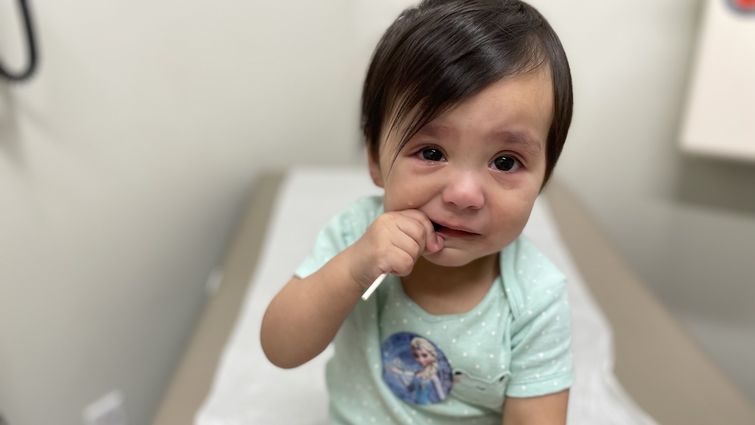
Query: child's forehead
{"points": [[518, 108]]}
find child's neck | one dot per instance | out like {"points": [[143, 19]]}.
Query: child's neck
{"points": [[450, 290]]}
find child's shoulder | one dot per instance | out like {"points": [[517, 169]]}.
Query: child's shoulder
{"points": [[363, 211], [367, 205], [354, 219], [530, 279]]}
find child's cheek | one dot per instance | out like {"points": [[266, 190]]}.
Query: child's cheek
{"points": [[392, 204]]}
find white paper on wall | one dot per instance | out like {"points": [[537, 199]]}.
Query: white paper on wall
{"points": [[720, 113]]}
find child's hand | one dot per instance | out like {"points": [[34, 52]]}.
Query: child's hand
{"points": [[393, 244]]}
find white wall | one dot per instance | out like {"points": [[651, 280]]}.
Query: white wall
{"points": [[123, 165]]}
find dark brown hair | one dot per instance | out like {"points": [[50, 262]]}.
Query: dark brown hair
{"points": [[442, 52]]}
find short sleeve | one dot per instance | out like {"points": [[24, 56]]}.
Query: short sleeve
{"points": [[541, 356], [339, 233]]}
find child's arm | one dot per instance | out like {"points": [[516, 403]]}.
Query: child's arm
{"points": [[305, 315], [544, 410]]}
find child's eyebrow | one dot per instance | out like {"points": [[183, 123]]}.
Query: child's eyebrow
{"points": [[523, 139], [520, 138], [433, 129]]}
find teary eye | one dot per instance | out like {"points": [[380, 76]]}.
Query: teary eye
{"points": [[506, 163], [431, 154]]}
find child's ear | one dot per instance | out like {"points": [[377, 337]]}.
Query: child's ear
{"points": [[374, 165]]}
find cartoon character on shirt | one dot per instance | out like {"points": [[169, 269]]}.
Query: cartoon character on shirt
{"points": [[418, 382]]}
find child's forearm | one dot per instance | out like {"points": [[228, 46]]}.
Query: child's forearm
{"points": [[306, 314]]}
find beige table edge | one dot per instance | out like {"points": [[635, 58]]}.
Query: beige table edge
{"points": [[666, 373], [194, 376]]}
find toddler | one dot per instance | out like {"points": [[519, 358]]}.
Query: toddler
{"points": [[465, 109]]}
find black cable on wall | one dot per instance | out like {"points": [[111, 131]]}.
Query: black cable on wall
{"points": [[30, 44]]}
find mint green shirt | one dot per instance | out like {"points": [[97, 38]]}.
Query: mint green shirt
{"points": [[395, 363]]}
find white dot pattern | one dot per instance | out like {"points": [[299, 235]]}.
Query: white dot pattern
{"points": [[516, 342]]}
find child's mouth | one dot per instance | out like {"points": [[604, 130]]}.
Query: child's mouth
{"points": [[449, 231]]}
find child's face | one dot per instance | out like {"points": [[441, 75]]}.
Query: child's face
{"points": [[476, 169]]}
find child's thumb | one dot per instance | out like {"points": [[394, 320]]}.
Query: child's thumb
{"points": [[435, 243]]}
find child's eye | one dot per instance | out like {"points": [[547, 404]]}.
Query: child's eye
{"points": [[431, 154], [506, 163]]}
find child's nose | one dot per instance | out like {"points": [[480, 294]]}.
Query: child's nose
{"points": [[464, 190]]}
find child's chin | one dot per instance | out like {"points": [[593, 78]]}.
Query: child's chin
{"points": [[448, 258]]}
